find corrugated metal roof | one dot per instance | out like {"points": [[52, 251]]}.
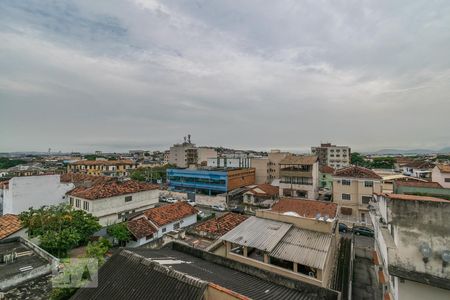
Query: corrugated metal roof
{"points": [[258, 233], [305, 247]]}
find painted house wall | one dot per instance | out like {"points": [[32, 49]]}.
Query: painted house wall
{"points": [[34, 191], [442, 178], [108, 209]]}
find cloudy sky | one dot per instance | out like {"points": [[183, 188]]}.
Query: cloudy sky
{"points": [[118, 75]]}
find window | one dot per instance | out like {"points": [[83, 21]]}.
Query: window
{"points": [[368, 183], [346, 211], [346, 182], [447, 179], [163, 229], [176, 226], [86, 205], [366, 199], [77, 202], [71, 201], [149, 237], [128, 198], [346, 197]]}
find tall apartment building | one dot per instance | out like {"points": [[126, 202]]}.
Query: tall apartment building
{"points": [[267, 168], [331, 155], [299, 176], [185, 154]]}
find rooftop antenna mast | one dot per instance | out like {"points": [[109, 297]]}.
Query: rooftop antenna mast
{"points": [[189, 138]]}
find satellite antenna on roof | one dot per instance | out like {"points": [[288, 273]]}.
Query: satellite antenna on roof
{"points": [[189, 138]]}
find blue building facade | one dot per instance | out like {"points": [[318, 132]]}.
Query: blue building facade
{"points": [[198, 181]]}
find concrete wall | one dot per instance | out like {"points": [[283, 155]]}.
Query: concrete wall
{"points": [[442, 178], [260, 165], [410, 290], [240, 178], [204, 153], [107, 209], [34, 191]]}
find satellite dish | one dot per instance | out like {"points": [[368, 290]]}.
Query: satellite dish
{"points": [[446, 256], [425, 249]]}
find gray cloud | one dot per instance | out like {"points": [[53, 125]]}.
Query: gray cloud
{"points": [[116, 75]]}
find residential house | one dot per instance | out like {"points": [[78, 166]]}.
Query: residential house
{"points": [[412, 238], [113, 168], [297, 239], [441, 175], [260, 196], [156, 222], [21, 193], [326, 177], [331, 155], [112, 201], [418, 169], [218, 226], [299, 176], [182, 272], [353, 188], [209, 182], [10, 226]]}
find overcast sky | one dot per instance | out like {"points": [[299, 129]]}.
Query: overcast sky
{"points": [[118, 75]]}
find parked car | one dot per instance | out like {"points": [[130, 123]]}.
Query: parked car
{"points": [[343, 228], [361, 230], [191, 202], [162, 199], [171, 200], [237, 209], [218, 208]]}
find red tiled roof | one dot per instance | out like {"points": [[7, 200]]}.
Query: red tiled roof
{"points": [[264, 190], [326, 170], [415, 198], [141, 228], [305, 208], [170, 213], [414, 183], [111, 188], [9, 224], [221, 225], [356, 172], [103, 162], [417, 164], [81, 179], [444, 168]]}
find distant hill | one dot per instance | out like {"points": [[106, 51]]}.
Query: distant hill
{"points": [[411, 151]]}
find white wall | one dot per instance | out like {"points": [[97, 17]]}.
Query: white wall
{"points": [[438, 176], [410, 290], [34, 191], [107, 209]]}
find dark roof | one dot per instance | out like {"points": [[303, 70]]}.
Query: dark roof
{"points": [[237, 281], [170, 213], [140, 228], [357, 172], [111, 188], [128, 275], [305, 208]]}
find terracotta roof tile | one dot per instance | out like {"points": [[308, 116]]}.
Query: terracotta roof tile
{"points": [[264, 190], [111, 188], [414, 183], [306, 208], [170, 213], [444, 168], [357, 172], [221, 225], [141, 228], [102, 162], [326, 170], [299, 160], [9, 224], [415, 198], [83, 179]]}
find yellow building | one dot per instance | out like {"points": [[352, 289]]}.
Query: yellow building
{"points": [[114, 168]]}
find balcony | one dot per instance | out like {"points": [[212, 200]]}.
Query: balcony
{"points": [[290, 173]]}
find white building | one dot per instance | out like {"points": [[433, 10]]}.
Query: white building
{"points": [[441, 175], [21, 193], [418, 169], [156, 222], [224, 162], [412, 243], [331, 155], [114, 200], [299, 176]]}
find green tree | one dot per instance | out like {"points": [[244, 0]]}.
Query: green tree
{"points": [[59, 227], [98, 250], [119, 232], [358, 159], [383, 163], [6, 163], [151, 173]]}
